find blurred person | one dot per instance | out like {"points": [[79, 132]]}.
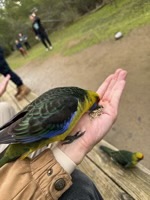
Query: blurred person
{"points": [[20, 48], [40, 32], [24, 40], [22, 89]]}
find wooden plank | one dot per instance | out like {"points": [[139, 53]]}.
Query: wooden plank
{"points": [[108, 189], [11, 90], [30, 97], [21, 104], [135, 182], [11, 84], [9, 97]]}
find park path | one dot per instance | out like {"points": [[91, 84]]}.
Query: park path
{"points": [[90, 67]]}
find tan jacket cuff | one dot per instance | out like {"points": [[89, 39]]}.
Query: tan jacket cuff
{"points": [[49, 175], [67, 164]]}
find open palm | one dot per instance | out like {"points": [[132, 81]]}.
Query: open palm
{"points": [[95, 129]]}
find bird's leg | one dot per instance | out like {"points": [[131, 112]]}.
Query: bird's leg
{"points": [[97, 111], [70, 138]]}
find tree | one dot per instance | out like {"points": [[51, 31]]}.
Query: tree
{"points": [[54, 13]]}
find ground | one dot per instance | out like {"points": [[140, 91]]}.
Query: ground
{"points": [[90, 67]]}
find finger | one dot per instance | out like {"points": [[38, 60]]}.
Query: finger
{"points": [[7, 78], [121, 76], [107, 96], [4, 83], [101, 90], [118, 89]]}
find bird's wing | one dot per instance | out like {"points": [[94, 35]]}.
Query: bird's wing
{"points": [[18, 116], [44, 121], [122, 157]]}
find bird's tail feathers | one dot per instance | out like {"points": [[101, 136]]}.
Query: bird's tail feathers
{"points": [[106, 149], [6, 139], [14, 119]]}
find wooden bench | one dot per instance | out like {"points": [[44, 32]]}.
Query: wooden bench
{"points": [[114, 182]]}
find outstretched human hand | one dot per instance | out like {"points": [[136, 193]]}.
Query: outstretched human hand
{"points": [[3, 84], [95, 129]]}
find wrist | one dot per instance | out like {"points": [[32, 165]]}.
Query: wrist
{"points": [[66, 163], [75, 152]]}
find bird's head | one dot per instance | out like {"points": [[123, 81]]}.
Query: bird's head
{"points": [[139, 156], [93, 99]]}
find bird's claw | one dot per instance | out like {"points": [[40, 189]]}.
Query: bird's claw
{"points": [[70, 138]]}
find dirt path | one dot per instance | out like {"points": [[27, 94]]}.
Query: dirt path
{"points": [[90, 67]]}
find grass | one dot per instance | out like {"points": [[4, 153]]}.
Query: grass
{"points": [[124, 16], [37, 52]]}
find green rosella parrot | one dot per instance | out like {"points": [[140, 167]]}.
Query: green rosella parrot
{"points": [[49, 118], [125, 158]]}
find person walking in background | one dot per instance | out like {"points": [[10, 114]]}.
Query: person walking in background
{"points": [[24, 40], [22, 89], [40, 32], [20, 48]]}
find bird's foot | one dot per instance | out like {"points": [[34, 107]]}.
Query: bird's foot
{"points": [[70, 138], [96, 112]]}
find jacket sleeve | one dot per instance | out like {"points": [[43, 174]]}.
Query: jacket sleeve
{"points": [[41, 178]]}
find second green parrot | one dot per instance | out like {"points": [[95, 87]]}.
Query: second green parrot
{"points": [[125, 158], [49, 118]]}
